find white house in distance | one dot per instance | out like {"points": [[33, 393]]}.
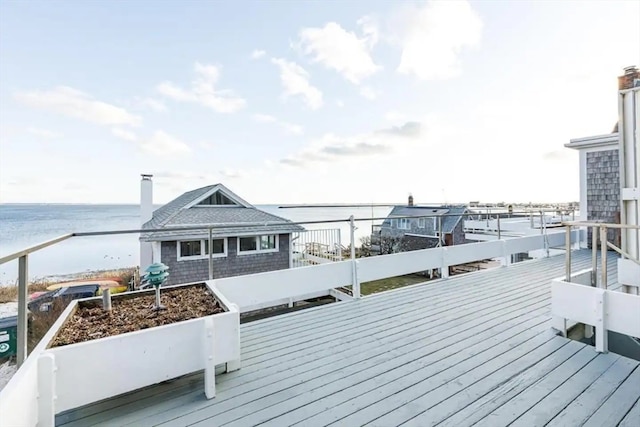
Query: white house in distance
{"points": [[245, 240]]}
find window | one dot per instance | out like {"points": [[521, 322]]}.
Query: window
{"points": [[421, 222], [254, 244], [404, 223], [197, 249], [435, 223], [217, 199]]}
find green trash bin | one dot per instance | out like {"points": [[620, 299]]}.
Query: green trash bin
{"points": [[8, 336]]}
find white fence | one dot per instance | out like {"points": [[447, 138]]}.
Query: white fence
{"points": [[312, 247], [602, 309], [262, 290]]}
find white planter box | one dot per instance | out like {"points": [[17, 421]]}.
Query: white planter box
{"points": [[77, 374]]}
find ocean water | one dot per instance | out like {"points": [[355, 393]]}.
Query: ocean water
{"points": [[22, 225]]}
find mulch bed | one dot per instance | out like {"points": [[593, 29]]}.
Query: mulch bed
{"points": [[91, 322]]}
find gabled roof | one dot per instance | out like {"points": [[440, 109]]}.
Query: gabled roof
{"points": [[235, 219], [448, 222]]}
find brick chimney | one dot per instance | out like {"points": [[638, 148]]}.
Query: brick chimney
{"points": [[410, 203], [629, 78]]}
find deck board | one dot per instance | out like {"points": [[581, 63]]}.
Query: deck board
{"points": [[472, 349]]}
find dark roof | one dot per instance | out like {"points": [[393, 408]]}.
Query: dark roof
{"points": [[231, 220], [448, 222]]}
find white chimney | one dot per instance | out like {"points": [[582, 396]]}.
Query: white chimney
{"points": [[146, 199], [146, 213]]}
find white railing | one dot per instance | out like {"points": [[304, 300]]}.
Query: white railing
{"points": [[312, 247], [582, 298], [262, 290]]}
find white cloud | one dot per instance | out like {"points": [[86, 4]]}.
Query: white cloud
{"points": [[289, 128], [295, 81], [152, 104], [433, 36], [228, 173], [257, 54], [332, 148], [339, 103], [394, 116], [341, 50], [79, 105], [124, 134], [203, 91], [368, 93], [44, 133], [206, 145], [163, 144], [264, 118]]}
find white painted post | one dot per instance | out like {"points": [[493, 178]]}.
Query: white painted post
{"points": [[567, 248], [602, 345], [355, 288], [46, 390], [210, 253], [234, 365], [444, 268], [209, 343], [559, 324], [603, 256], [23, 280], [106, 299], [506, 257]]}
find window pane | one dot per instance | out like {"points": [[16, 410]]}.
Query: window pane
{"points": [[248, 244], [268, 242], [190, 248], [218, 246]]}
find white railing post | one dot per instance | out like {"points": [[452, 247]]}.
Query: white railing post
{"points": [[23, 280], [209, 352], [444, 268], [355, 288], [210, 259], [567, 254], [600, 324], [46, 390], [603, 256], [506, 257]]}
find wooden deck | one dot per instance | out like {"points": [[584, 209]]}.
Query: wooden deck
{"points": [[475, 349]]}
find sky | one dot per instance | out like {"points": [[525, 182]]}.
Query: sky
{"points": [[306, 102]]}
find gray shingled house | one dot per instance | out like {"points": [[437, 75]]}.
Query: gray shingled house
{"points": [[246, 240], [600, 172], [430, 225]]}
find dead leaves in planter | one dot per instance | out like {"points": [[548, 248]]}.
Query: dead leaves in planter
{"points": [[91, 322]]}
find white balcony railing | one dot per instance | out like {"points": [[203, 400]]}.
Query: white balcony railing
{"points": [[252, 292], [257, 291], [583, 297]]}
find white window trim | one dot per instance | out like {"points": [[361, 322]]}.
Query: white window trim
{"points": [[257, 251], [404, 224], [422, 222], [205, 256]]}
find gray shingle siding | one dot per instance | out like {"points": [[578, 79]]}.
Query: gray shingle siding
{"points": [[231, 265], [453, 225], [603, 189]]}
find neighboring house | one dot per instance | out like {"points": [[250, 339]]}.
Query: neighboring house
{"points": [[600, 171], [246, 240], [426, 226]]}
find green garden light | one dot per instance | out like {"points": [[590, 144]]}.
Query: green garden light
{"points": [[156, 276]]}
